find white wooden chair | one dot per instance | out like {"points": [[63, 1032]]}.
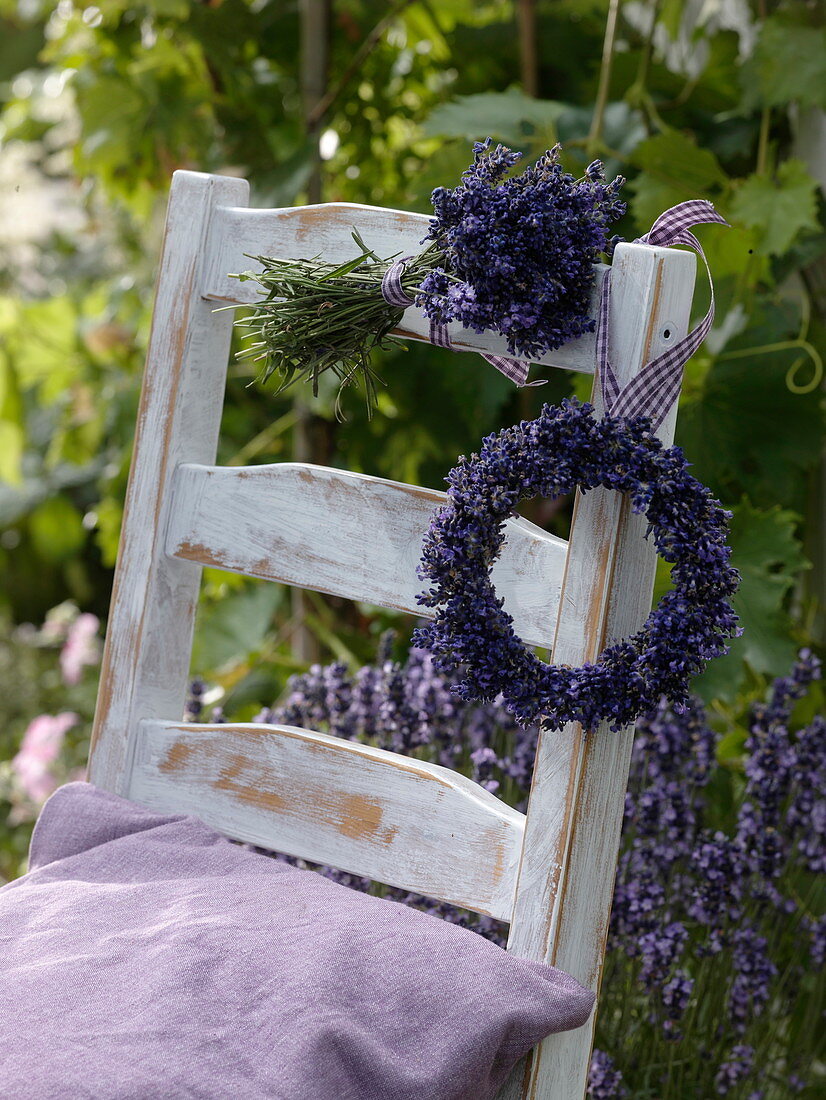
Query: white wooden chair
{"points": [[550, 872]]}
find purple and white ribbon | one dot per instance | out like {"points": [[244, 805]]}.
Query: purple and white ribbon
{"points": [[656, 387], [394, 293]]}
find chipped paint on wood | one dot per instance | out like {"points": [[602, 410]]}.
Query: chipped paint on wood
{"points": [[360, 816], [146, 657], [258, 798], [346, 534], [404, 822], [177, 757], [566, 876]]}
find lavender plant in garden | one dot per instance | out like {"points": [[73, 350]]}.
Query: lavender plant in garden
{"points": [[713, 982], [711, 985]]}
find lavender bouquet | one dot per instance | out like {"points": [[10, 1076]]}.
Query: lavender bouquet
{"points": [[509, 254], [714, 974]]}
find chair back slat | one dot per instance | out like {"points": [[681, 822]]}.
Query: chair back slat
{"points": [[347, 534], [304, 232], [391, 818]]}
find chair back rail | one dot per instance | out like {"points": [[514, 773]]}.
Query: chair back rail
{"points": [[333, 801], [304, 232], [551, 872], [347, 534]]}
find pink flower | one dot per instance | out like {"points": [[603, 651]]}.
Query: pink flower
{"points": [[39, 748], [81, 648]]}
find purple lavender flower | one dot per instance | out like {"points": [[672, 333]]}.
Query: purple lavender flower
{"points": [[806, 815], [675, 996], [520, 251], [817, 933], [194, 705], [720, 872], [567, 446], [753, 975], [604, 1079], [659, 949], [484, 759], [639, 896], [731, 1073]]}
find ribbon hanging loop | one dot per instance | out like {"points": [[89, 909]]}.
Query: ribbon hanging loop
{"points": [[656, 387]]}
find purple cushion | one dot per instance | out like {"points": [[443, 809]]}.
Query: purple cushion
{"points": [[144, 955]]}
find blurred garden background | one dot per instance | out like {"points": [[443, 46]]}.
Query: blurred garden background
{"points": [[379, 103]]}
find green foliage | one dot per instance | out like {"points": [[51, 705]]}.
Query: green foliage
{"points": [[509, 117], [234, 625], [673, 169], [768, 555], [741, 426], [779, 208], [788, 66], [106, 102]]}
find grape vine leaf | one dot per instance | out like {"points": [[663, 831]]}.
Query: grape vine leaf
{"points": [[508, 116], [779, 208], [230, 629], [674, 169], [743, 430], [768, 554], [788, 65]]}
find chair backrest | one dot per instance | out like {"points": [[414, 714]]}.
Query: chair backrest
{"points": [[549, 872]]}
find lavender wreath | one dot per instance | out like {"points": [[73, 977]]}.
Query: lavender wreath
{"points": [[565, 447]]}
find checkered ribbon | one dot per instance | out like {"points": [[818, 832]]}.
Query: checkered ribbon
{"points": [[394, 293], [654, 390]]}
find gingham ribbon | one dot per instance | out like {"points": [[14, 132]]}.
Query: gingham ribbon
{"points": [[654, 390], [394, 293]]}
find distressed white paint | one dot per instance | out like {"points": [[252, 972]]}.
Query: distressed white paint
{"points": [[563, 900], [391, 818], [149, 637], [304, 232], [347, 534]]}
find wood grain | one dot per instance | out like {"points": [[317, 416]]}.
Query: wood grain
{"points": [[149, 637], [304, 232], [574, 816], [348, 534], [398, 820]]}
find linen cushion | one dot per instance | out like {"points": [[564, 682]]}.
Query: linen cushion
{"points": [[144, 955]]}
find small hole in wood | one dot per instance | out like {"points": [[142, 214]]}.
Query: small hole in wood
{"points": [[666, 334]]}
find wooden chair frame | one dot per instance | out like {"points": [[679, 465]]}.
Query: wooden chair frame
{"points": [[550, 872]]}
